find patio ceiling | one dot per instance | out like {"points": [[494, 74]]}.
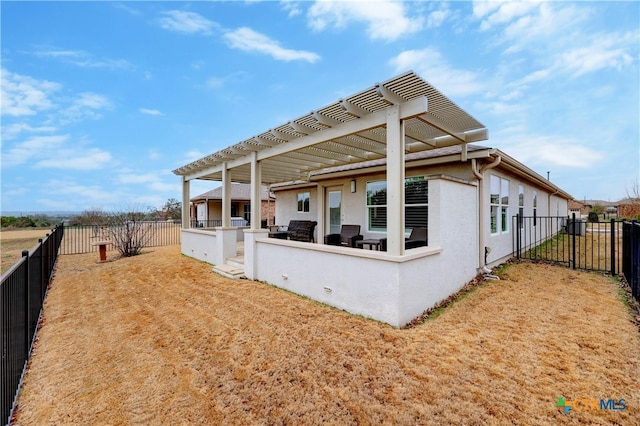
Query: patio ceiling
{"points": [[348, 131]]}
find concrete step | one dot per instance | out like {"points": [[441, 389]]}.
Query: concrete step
{"points": [[238, 262], [229, 271]]}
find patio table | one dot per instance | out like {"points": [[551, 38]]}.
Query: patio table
{"points": [[370, 242]]}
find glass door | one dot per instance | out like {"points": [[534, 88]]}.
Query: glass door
{"points": [[334, 214]]}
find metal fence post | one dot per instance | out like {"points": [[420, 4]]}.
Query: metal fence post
{"points": [[573, 239], [27, 307], [613, 248], [517, 231]]}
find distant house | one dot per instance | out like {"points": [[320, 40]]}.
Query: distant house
{"points": [[629, 208], [393, 158], [206, 208]]}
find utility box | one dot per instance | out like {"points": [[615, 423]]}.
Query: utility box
{"points": [[576, 227]]}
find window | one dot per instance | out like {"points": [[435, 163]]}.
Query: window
{"points": [[521, 205], [247, 212], [499, 202], [416, 199], [303, 202]]}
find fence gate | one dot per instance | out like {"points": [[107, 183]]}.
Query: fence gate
{"points": [[573, 242]]}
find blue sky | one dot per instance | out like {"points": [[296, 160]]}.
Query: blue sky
{"points": [[102, 100]]}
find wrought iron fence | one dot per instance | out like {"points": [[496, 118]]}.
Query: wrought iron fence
{"points": [[573, 242], [82, 238], [22, 294], [631, 256]]}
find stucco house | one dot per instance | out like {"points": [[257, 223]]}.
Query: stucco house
{"points": [[394, 157], [206, 208]]}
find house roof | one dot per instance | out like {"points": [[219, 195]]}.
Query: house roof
{"points": [[239, 192], [445, 155], [348, 131]]}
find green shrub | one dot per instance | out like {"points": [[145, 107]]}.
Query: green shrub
{"points": [[593, 217]]}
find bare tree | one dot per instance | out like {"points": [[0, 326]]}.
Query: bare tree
{"points": [[129, 232], [630, 207]]}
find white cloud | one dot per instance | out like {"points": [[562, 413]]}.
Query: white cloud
{"points": [[82, 59], [291, 7], [430, 64], [554, 151], [11, 131], [497, 13], [23, 95], [149, 111], [86, 105], [76, 159], [386, 20], [602, 51], [54, 152], [251, 41], [186, 22], [437, 18], [34, 147]]}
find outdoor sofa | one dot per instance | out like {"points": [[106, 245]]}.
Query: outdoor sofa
{"points": [[298, 230]]}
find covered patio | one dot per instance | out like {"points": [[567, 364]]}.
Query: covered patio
{"points": [[389, 120]]}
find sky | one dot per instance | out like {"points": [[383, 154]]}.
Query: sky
{"points": [[102, 100]]}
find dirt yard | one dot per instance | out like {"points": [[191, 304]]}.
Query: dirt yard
{"points": [[160, 339]]}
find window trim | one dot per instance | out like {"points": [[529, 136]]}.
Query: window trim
{"points": [[300, 202], [501, 205], [371, 206]]}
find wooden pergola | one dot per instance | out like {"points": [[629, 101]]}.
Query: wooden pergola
{"points": [[401, 115]]}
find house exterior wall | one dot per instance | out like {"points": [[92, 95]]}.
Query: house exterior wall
{"points": [[286, 208], [547, 204], [393, 289]]}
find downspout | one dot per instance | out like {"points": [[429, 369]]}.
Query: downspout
{"points": [[484, 269]]}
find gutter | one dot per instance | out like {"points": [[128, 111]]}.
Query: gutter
{"points": [[483, 249]]}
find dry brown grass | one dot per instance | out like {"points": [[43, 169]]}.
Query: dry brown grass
{"points": [[160, 339], [12, 242]]}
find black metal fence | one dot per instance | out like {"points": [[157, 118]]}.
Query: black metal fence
{"points": [[573, 242], [83, 238], [22, 294], [631, 256]]}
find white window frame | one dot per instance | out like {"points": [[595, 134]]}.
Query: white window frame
{"points": [[521, 204], [382, 184], [302, 207], [499, 205]]}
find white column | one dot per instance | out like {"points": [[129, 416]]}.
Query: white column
{"points": [[226, 196], [186, 203], [395, 182], [256, 191], [321, 194]]}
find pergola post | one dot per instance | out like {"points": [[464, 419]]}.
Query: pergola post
{"points": [[395, 181], [186, 203], [226, 197], [256, 192]]}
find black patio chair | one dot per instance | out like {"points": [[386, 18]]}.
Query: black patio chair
{"points": [[418, 238], [347, 237]]}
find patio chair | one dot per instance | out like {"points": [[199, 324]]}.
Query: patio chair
{"points": [[347, 237], [418, 238]]}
